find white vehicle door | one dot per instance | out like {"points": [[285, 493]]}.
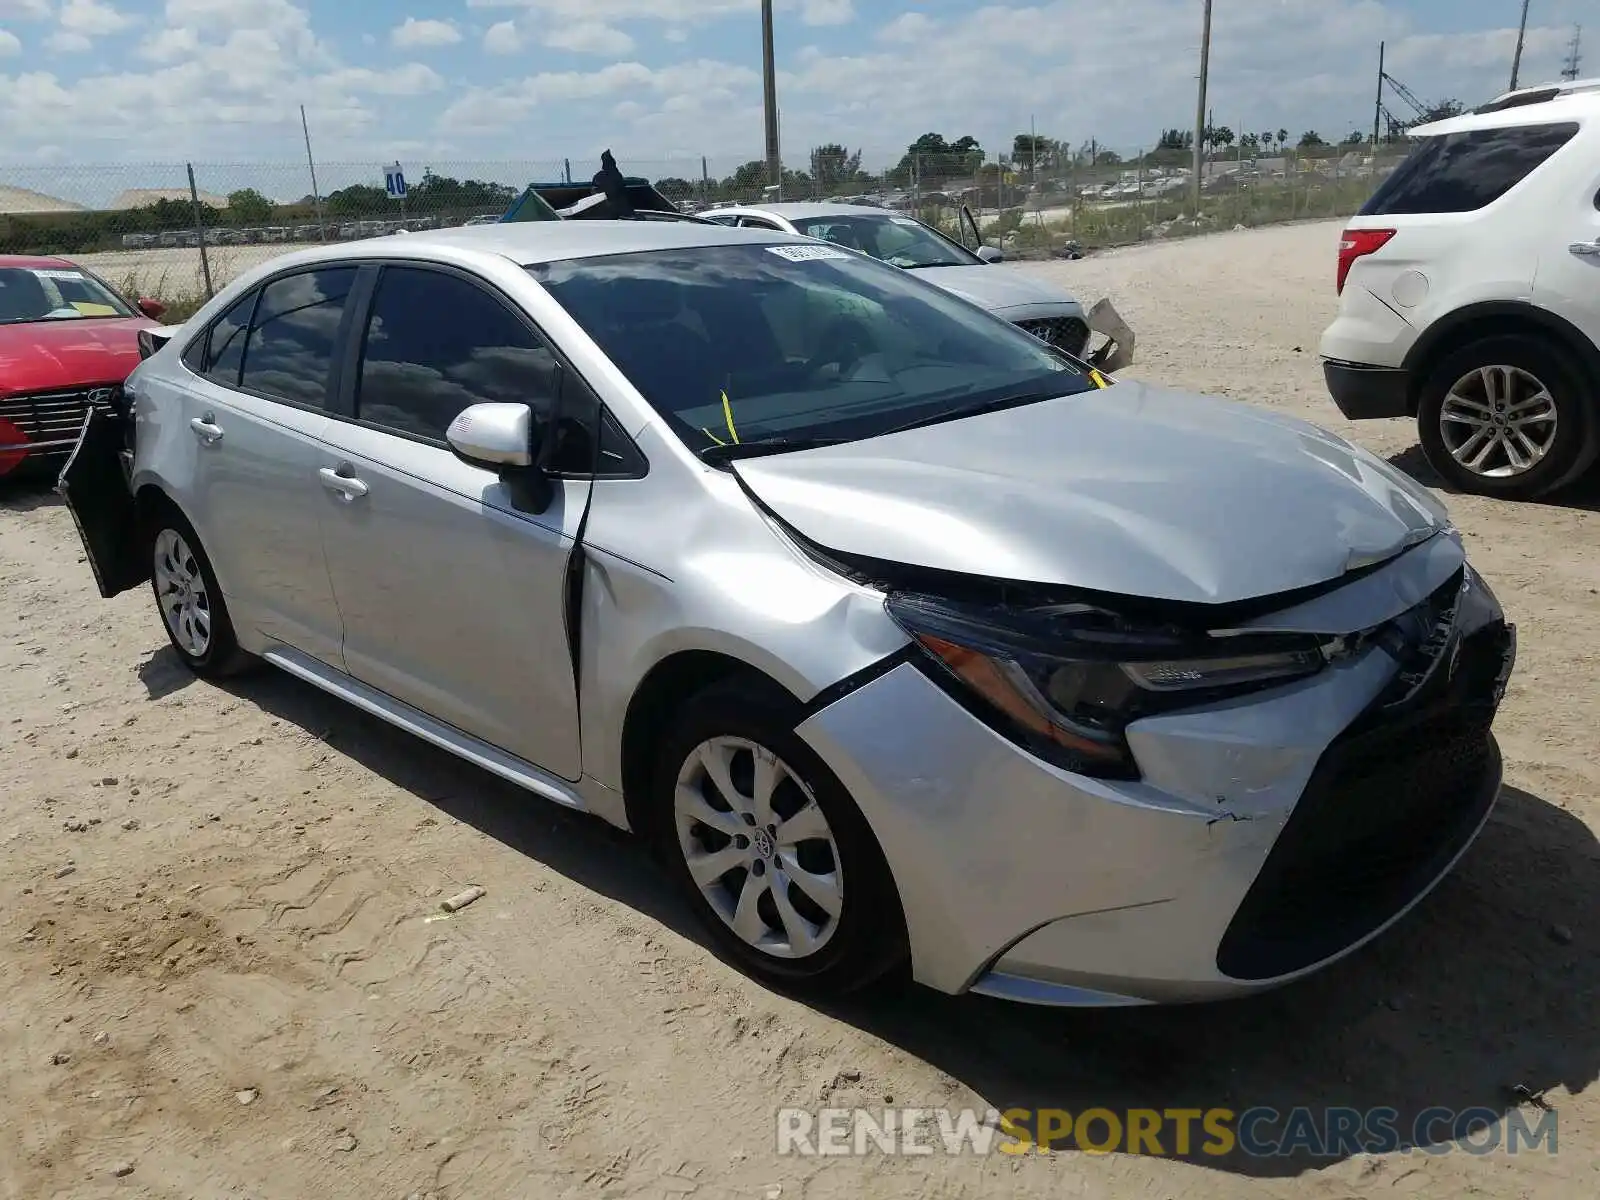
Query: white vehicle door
{"points": [[255, 407], [452, 591], [1567, 281]]}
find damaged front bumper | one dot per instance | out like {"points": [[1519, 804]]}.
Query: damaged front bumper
{"points": [[1266, 837], [1116, 351]]}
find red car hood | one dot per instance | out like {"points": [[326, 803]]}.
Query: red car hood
{"points": [[48, 356]]}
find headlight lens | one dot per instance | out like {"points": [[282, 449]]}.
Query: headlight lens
{"points": [[1067, 680]]}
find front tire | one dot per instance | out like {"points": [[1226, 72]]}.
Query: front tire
{"points": [[769, 849], [190, 601], [1507, 417]]}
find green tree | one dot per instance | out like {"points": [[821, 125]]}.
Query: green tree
{"points": [[833, 166], [1108, 158], [440, 193], [1311, 139], [1175, 139], [249, 207], [1029, 150], [1354, 138], [1250, 145], [675, 189], [1443, 110], [357, 200], [1283, 138]]}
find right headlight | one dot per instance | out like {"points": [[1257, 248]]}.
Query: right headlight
{"points": [[1067, 680]]}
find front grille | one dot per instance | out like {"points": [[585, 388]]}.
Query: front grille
{"points": [[1389, 806], [48, 417], [1064, 333]]}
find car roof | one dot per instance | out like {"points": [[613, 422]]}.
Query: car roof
{"points": [[1544, 103], [804, 210], [30, 261], [530, 242]]}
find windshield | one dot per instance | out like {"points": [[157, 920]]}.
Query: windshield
{"points": [[55, 294], [735, 344], [899, 241]]}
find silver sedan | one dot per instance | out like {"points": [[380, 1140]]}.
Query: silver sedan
{"points": [[910, 643]]}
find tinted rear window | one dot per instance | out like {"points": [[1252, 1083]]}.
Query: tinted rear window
{"points": [[1463, 172]]}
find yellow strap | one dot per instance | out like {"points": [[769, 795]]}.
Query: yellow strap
{"points": [[727, 415], [713, 437], [1100, 380]]}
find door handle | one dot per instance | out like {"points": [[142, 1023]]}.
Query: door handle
{"points": [[1585, 249], [348, 486], [206, 429]]}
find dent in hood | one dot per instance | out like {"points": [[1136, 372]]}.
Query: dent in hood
{"points": [[1133, 490], [998, 288]]}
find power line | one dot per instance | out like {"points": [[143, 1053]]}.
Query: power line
{"points": [[1569, 71]]}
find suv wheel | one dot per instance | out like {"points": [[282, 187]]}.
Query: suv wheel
{"points": [[1506, 417], [191, 603], [770, 850]]}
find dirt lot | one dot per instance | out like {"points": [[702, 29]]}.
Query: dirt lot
{"points": [[222, 971]]}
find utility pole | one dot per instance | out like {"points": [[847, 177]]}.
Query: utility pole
{"points": [[1200, 108], [1522, 34], [1569, 71], [1377, 107], [769, 81], [316, 195]]}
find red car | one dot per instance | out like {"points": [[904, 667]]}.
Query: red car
{"points": [[67, 339]]}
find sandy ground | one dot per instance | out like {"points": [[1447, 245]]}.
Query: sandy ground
{"points": [[222, 972]]}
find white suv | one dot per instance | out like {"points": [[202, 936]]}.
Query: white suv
{"points": [[1470, 294]]}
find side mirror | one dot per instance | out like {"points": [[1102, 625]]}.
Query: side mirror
{"points": [[153, 309], [991, 254], [502, 438], [493, 435]]}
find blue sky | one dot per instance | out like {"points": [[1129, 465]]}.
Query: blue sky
{"points": [[535, 81]]}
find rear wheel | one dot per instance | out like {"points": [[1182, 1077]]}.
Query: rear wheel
{"points": [[1507, 417], [770, 850], [190, 600]]}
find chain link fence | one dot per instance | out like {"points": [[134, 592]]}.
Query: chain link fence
{"points": [[175, 231]]}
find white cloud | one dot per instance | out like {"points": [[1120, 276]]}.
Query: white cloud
{"points": [[92, 18], [677, 35], [10, 44], [412, 79], [588, 37], [502, 38], [412, 33], [827, 12], [907, 27], [25, 10], [169, 45], [62, 42]]}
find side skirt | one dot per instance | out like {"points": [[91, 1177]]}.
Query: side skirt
{"points": [[447, 737]]}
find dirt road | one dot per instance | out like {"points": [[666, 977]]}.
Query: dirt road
{"points": [[223, 972]]}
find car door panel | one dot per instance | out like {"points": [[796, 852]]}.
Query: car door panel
{"points": [[452, 599], [255, 414], [256, 508]]}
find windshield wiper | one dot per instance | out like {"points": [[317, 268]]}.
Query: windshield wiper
{"points": [[716, 455], [1014, 400]]}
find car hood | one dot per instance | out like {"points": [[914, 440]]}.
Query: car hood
{"points": [[40, 356], [998, 288], [1133, 490]]}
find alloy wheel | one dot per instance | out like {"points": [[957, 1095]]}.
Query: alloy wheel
{"points": [[181, 593], [1498, 421], [759, 847]]}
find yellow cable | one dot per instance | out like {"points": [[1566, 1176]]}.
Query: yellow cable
{"points": [[727, 415], [713, 436]]}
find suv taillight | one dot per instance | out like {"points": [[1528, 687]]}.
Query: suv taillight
{"points": [[1357, 243]]}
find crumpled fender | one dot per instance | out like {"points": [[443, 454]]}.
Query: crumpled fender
{"points": [[1117, 353]]}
